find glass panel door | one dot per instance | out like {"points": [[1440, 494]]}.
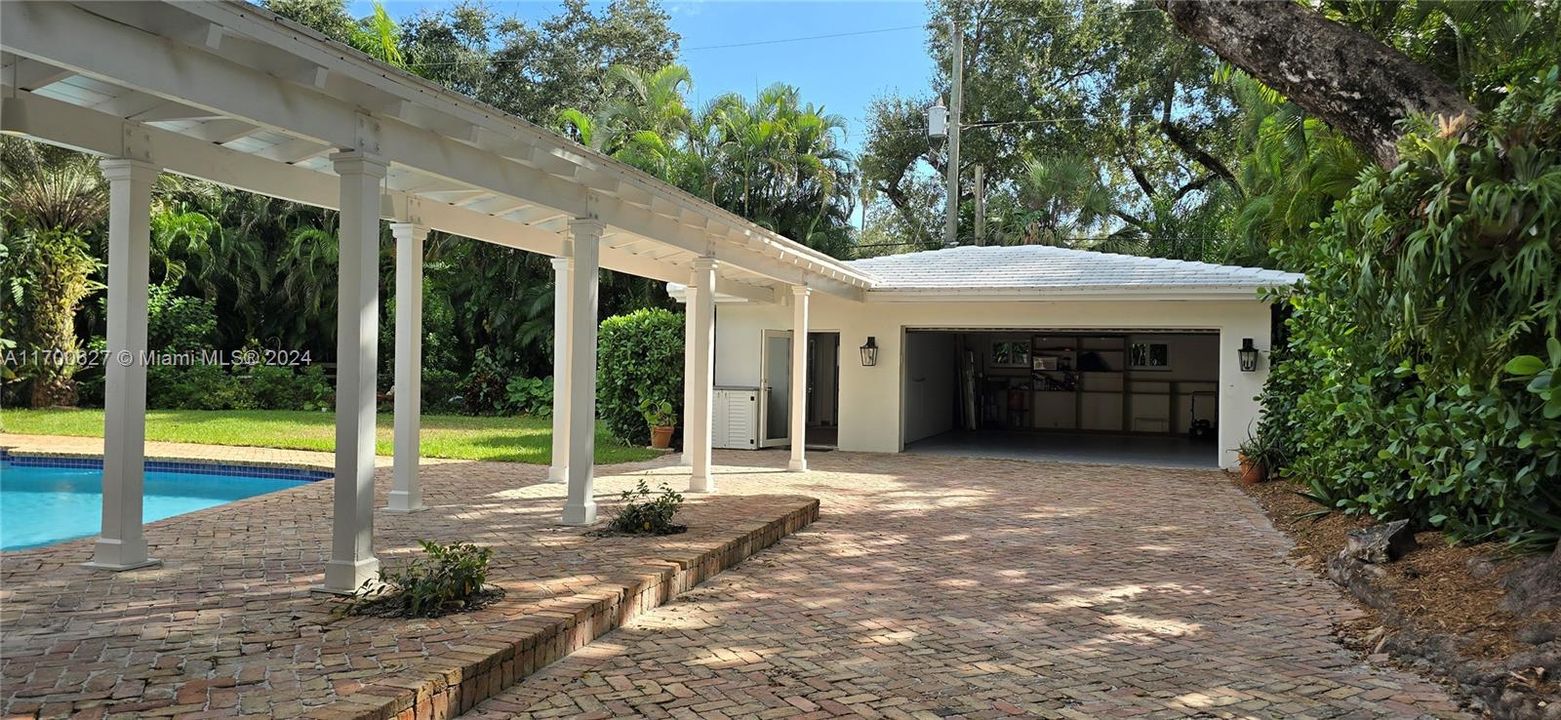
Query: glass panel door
{"points": [[775, 390]]}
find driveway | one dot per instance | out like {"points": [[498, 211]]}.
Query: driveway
{"points": [[953, 587]]}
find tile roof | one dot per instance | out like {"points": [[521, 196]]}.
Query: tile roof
{"points": [[1043, 267]]}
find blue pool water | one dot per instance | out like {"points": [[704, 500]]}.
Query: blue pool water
{"points": [[47, 500]]}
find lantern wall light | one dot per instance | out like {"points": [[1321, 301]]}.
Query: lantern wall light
{"points": [[870, 352], [1248, 355]]}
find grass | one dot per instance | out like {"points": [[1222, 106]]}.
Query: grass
{"points": [[505, 439]]}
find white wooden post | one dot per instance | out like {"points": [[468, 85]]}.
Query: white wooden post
{"points": [[698, 430], [580, 507], [357, 335], [559, 471], [799, 378], [122, 546], [406, 493], [688, 371]]}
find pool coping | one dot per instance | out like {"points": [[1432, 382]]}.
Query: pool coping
{"points": [[271, 471], [301, 465]]}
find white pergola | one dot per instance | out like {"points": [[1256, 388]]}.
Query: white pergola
{"points": [[231, 93]]}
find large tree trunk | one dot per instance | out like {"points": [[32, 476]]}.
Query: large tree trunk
{"points": [[1357, 85]]}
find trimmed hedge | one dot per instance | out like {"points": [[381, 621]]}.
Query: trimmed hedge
{"points": [[639, 356]]}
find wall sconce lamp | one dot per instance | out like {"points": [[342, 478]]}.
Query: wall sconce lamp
{"points": [[1248, 355], [870, 352]]}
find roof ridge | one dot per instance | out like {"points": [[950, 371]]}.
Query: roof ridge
{"points": [[1146, 259]]}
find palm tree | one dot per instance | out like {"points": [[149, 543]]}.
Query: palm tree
{"points": [[774, 160], [648, 115], [51, 199], [1060, 198], [1293, 171]]}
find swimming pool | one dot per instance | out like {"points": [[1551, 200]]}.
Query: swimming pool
{"points": [[45, 500]]}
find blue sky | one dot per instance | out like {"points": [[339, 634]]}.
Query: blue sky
{"points": [[841, 73]]}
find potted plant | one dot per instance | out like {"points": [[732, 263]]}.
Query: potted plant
{"points": [[662, 420], [1256, 457]]}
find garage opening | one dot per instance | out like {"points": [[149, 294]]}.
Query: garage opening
{"points": [[1137, 397]]}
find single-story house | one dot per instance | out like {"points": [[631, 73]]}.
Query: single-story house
{"points": [[1006, 351]]}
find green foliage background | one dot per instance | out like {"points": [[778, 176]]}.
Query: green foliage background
{"points": [[1396, 394]]}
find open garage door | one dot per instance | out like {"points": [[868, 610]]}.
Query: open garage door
{"points": [[1118, 396]]}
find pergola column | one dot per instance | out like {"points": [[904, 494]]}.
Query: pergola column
{"points": [[122, 546], [799, 378], [688, 370], [698, 431], [562, 293], [406, 493], [580, 507], [357, 334]]}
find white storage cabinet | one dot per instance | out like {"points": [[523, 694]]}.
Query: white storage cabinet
{"points": [[735, 418]]}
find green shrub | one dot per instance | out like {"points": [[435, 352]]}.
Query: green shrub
{"points": [[276, 388], [449, 578], [441, 390], [316, 390], [196, 387], [529, 396], [640, 516], [1391, 398], [483, 388], [639, 356], [179, 323]]}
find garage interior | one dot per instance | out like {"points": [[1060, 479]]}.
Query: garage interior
{"points": [[1107, 396]]}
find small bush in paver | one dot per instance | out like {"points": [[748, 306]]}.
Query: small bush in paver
{"points": [[450, 578], [641, 516]]}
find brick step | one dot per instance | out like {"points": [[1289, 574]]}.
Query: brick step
{"points": [[453, 682]]}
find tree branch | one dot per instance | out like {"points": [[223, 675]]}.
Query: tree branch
{"points": [[901, 203], [1185, 143], [1143, 182], [1356, 84], [1130, 219], [1198, 184]]}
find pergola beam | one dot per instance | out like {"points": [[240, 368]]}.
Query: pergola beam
{"points": [[64, 124]]}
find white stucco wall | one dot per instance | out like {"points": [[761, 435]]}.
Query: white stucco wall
{"points": [[870, 397]]}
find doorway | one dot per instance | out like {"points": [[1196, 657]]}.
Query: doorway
{"points": [[823, 389], [1121, 396]]}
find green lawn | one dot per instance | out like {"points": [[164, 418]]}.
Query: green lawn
{"points": [[508, 439]]}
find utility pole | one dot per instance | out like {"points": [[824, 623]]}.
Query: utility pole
{"points": [[956, 103], [980, 204]]}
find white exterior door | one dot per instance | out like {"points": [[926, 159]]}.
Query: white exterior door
{"points": [[775, 389]]}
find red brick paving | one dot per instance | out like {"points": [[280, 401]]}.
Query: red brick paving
{"points": [[228, 626], [940, 587]]}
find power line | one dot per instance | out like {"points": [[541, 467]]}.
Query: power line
{"points": [[804, 38], [1038, 121]]}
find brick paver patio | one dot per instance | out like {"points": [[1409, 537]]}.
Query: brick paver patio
{"points": [[939, 587], [229, 627]]}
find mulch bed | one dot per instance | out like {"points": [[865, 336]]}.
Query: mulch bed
{"points": [[1446, 616]]}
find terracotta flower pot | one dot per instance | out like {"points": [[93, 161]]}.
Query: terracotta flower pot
{"points": [[661, 437], [1252, 471]]}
